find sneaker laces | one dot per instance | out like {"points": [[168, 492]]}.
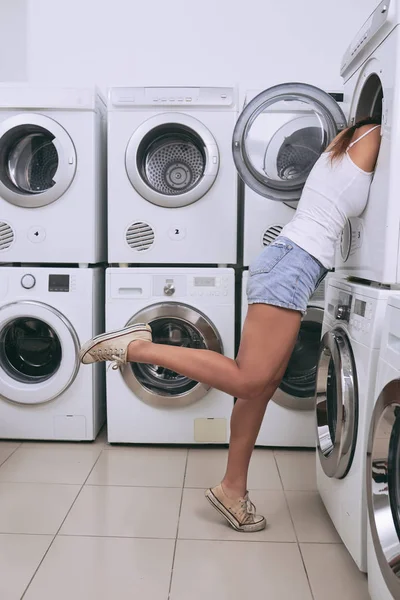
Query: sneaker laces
{"points": [[115, 355]]}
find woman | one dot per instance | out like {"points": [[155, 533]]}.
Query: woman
{"points": [[281, 282]]}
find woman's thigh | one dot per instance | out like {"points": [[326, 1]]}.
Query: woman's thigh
{"points": [[268, 338]]}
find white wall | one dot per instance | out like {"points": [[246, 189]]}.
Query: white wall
{"points": [[181, 42], [13, 40]]}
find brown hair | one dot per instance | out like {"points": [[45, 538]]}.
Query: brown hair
{"points": [[340, 144]]}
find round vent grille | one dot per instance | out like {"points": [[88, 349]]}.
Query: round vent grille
{"points": [[271, 234], [140, 236], [6, 236]]}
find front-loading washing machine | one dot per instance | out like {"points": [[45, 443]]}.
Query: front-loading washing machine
{"points": [[278, 137], [383, 466], [52, 176], [172, 185], [346, 374], [290, 416], [45, 314], [369, 246], [190, 307]]}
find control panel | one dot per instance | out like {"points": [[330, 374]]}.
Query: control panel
{"points": [[202, 287], [371, 28], [172, 96], [59, 283]]}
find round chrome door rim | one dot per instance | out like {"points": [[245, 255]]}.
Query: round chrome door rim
{"points": [[66, 162], [385, 537], [38, 310], [336, 458], [314, 314], [190, 316], [210, 169], [334, 119]]}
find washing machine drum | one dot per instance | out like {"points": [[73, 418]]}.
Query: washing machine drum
{"points": [[299, 153], [37, 160], [172, 163], [173, 324]]}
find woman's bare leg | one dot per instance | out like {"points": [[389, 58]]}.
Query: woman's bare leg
{"points": [[268, 336]]}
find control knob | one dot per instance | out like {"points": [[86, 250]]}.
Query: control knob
{"points": [[28, 281], [169, 289], [342, 313]]}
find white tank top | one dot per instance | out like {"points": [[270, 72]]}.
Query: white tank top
{"points": [[332, 193]]}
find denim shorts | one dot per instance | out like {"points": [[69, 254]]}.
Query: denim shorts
{"points": [[284, 275]]}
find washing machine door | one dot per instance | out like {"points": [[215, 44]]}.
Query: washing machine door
{"points": [[336, 404], [297, 389], [37, 160], [383, 484], [280, 135], [172, 160], [38, 353], [175, 324]]}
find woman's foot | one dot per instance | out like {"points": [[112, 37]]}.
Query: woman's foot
{"points": [[113, 345], [240, 513]]}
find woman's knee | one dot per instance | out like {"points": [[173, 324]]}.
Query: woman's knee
{"points": [[254, 389]]}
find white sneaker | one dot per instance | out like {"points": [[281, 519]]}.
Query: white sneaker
{"points": [[113, 345]]}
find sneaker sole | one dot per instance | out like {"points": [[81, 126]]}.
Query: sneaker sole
{"points": [[103, 337], [233, 522]]}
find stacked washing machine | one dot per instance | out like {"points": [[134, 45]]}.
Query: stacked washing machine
{"points": [[358, 372], [52, 243], [279, 135], [172, 234]]}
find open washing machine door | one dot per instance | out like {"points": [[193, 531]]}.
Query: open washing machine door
{"points": [[38, 352], [280, 135], [37, 160], [178, 325], [383, 484], [172, 160], [336, 404]]}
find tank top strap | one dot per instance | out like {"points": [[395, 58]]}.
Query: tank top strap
{"points": [[361, 137]]}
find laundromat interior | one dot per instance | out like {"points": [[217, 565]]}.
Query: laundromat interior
{"points": [[212, 189]]}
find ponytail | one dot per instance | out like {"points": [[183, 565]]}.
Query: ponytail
{"points": [[340, 144]]}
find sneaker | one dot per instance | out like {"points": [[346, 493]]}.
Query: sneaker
{"points": [[240, 513], [114, 345]]}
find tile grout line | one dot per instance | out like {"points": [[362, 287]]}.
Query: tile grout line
{"points": [[294, 529], [62, 523], [9, 456], [177, 527]]}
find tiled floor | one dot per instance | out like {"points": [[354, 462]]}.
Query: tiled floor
{"points": [[98, 522]]}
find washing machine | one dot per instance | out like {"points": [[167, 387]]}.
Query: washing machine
{"points": [[369, 246], [172, 184], [52, 176], [45, 315], [278, 137], [190, 307], [290, 416], [346, 375], [383, 466]]}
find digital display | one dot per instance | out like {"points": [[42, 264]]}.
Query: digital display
{"points": [[359, 307], [204, 281], [58, 283]]}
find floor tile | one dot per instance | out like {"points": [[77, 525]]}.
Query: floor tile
{"points": [[5, 451], [233, 571], [297, 469], [10, 444], [311, 520], [104, 568], [159, 467], [333, 574], [124, 511], [49, 465], [20, 555], [34, 507], [206, 468], [199, 520]]}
